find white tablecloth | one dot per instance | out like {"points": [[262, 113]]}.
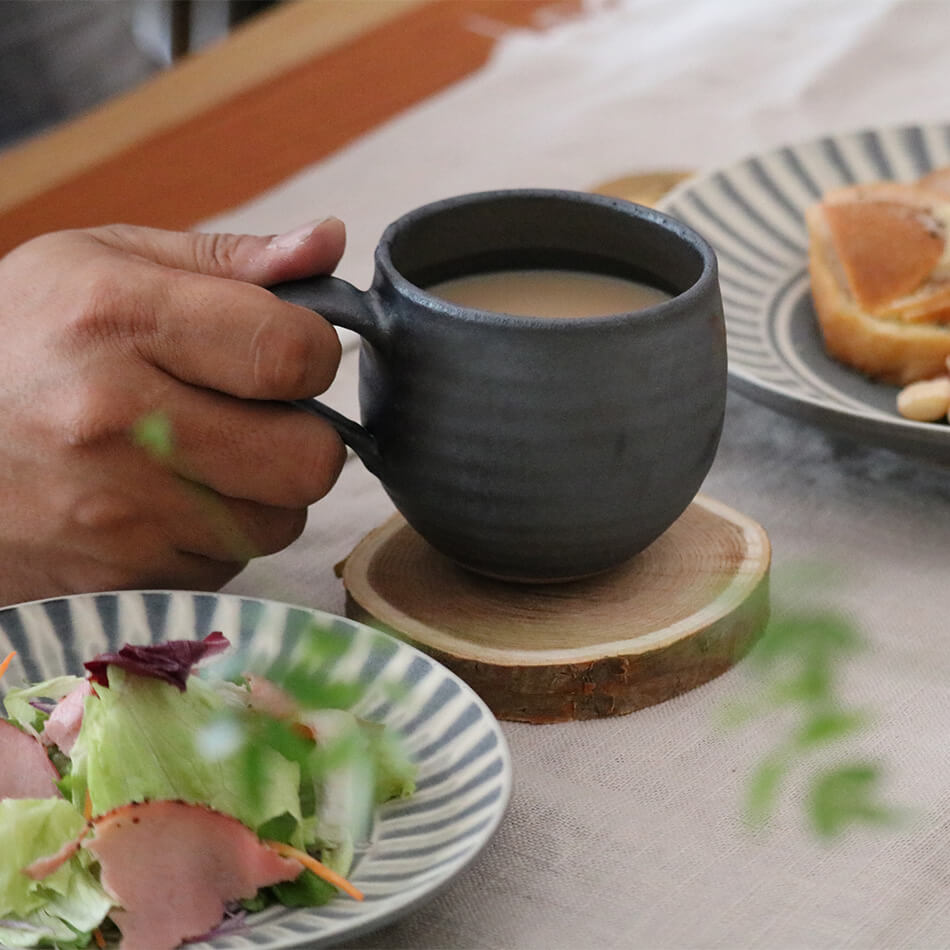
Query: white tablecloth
{"points": [[627, 832]]}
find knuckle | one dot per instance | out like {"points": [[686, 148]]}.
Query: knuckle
{"points": [[92, 412], [105, 310], [39, 250], [105, 511], [52, 245], [216, 253], [117, 234]]}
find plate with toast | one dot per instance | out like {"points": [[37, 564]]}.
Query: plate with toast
{"points": [[834, 259]]}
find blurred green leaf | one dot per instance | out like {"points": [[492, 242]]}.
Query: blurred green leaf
{"points": [[810, 684], [282, 737], [815, 637], [312, 690], [254, 773], [763, 789], [828, 726], [336, 753], [845, 796], [798, 661], [306, 674], [153, 432]]}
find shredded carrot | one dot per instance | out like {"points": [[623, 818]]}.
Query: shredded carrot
{"points": [[312, 864], [5, 662], [304, 731], [100, 940], [87, 807]]}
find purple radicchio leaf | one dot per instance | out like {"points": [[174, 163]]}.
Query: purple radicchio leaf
{"points": [[171, 661]]}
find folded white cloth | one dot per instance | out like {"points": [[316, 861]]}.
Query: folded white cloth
{"points": [[635, 85]]}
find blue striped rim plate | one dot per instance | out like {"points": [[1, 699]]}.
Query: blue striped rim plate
{"points": [[419, 844], [752, 213]]}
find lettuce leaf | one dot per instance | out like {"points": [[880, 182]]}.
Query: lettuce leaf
{"points": [[17, 701], [395, 771], [138, 742], [66, 906]]}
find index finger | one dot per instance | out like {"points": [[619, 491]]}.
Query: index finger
{"points": [[237, 338]]}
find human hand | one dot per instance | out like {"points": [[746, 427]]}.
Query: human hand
{"points": [[106, 328]]}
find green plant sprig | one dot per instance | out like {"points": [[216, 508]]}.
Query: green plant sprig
{"points": [[799, 658]]}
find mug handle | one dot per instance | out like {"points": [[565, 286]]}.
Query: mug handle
{"points": [[344, 306]]}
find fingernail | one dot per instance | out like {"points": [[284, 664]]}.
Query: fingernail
{"points": [[291, 239]]}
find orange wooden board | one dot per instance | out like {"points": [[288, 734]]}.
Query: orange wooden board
{"points": [[233, 150]]}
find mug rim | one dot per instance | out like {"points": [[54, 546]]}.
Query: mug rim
{"points": [[708, 275]]}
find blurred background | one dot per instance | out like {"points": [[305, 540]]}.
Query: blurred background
{"points": [[61, 57]]}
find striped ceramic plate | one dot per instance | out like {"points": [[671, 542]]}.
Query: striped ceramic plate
{"points": [[753, 215], [419, 844]]}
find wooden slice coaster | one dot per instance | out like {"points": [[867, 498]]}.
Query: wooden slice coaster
{"points": [[675, 616], [644, 188]]}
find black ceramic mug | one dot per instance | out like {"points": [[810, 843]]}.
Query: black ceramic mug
{"points": [[524, 448]]}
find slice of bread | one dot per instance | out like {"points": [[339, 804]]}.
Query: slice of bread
{"points": [[879, 260]]}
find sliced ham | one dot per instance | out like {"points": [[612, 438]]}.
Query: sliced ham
{"points": [[171, 867], [25, 768], [44, 867], [64, 721]]}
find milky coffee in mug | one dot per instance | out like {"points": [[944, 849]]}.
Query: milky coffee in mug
{"points": [[523, 447], [556, 294]]}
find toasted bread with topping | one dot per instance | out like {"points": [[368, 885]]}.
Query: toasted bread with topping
{"points": [[879, 262]]}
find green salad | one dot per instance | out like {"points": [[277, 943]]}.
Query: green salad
{"points": [[156, 804]]}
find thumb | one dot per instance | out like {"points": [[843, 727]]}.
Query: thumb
{"points": [[315, 248]]}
